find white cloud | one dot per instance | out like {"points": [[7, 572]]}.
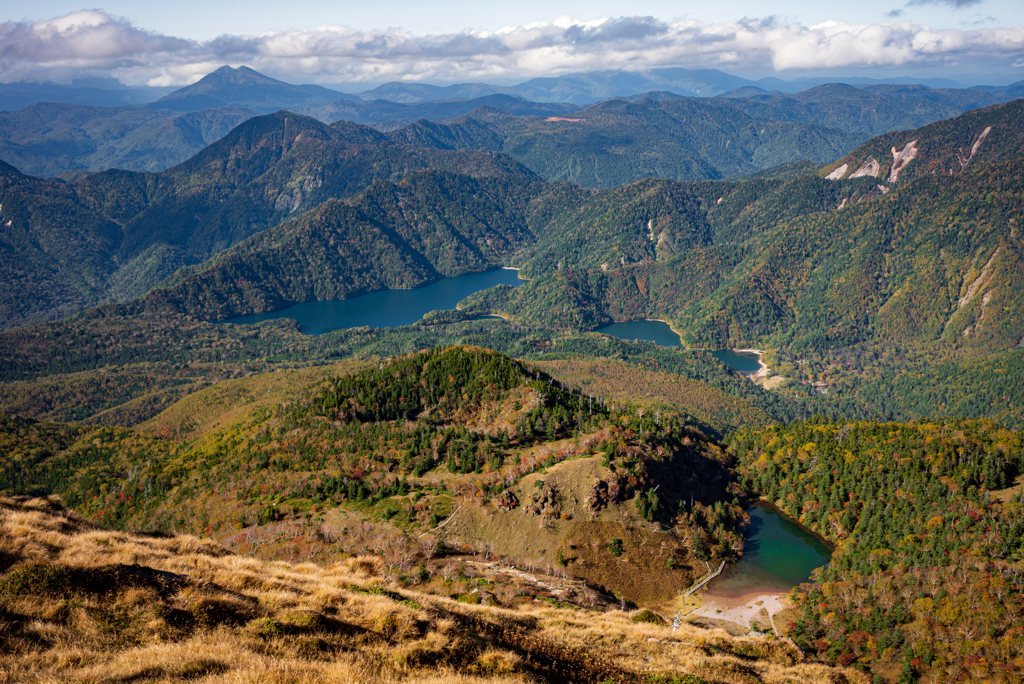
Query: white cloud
{"points": [[94, 42], [955, 4]]}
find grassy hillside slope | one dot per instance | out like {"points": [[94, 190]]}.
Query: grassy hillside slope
{"points": [[87, 603]]}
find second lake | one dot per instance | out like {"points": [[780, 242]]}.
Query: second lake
{"points": [[662, 334], [658, 332]]}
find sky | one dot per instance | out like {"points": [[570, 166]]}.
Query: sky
{"points": [[175, 43]]}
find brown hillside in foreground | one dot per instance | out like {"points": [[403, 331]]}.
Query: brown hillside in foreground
{"points": [[80, 603]]}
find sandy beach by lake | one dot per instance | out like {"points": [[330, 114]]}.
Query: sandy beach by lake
{"points": [[743, 610]]}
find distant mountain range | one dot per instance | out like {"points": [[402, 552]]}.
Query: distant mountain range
{"points": [[590, 87], [377, 111], [54, 139], [89, 92], [249, 89], [617, 142], [48, 139], [272, 199]]}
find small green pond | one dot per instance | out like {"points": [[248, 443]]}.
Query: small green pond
{"points": [[778, 554]]}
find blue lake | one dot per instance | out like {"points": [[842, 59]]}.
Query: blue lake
{"points": [[744, 362], [386, 308], [648, 331], [778, 554], [661, 333]]}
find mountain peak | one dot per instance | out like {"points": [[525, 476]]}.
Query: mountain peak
{"points": [[245, 87], [242, 75]]}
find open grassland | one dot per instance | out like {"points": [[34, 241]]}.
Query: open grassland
{"points": [[85, 604], [617, 381], [233, 401]]}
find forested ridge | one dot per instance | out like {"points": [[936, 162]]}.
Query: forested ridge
{"points": [[400, 442], [136, 229], [915, 264], [926, 572], [617, 142]]}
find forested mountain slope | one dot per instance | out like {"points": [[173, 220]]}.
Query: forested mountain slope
{"points": [[616, 142], [139, 228], [49, 139], [56, 255], [947, 147], [810, 262], [929, 542], [431, 224], [873, 109]]}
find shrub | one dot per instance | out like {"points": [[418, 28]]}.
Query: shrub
{"points": [[647, 617], [265, 627]]}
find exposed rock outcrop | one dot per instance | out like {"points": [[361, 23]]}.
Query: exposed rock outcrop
{"points": [[837, 173], [869, 168], [965, 159], [507, 500], [901, 159]]}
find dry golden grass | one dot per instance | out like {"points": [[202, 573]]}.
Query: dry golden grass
{"points": [[621, 382], [82, 604], [233, 401]]}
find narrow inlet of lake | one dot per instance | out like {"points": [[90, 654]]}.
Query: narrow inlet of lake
{"points": [[744, 362], [778, 554], [385, 308]]}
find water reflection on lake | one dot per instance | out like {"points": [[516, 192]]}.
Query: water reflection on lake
{"points": [[649, 331], [744, 362], [386, 308], [662, 334], [778, 554]]}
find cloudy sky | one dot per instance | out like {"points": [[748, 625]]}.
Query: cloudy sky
{"points": [[175, 43]]}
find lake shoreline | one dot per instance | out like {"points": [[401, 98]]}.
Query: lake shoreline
{"points": [[768, 570], [513, 268], [774, 507], [744, 610], [761, 376], [662, 320], [384, 308], [762, 373], [636, 320]]}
